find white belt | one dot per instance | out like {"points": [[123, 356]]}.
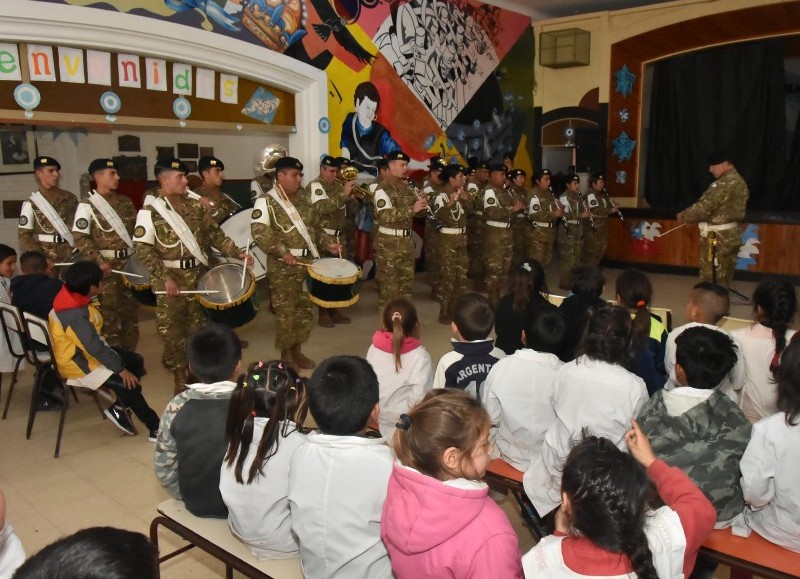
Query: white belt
{"points": [[544, 224], [574, 221], [395, 232], [114, 253], [300, 252], [499, 224], [453, 230], [332, 231], [479, 213], [518, 215], [50, 238], [180, 263]]}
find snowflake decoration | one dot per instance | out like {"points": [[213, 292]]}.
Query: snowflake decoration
{"points": [[623, 147], [625, 79], [622, 177], [624, 115]]}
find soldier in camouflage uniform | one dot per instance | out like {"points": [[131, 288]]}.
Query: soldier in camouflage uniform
{"points": [[719, 211], [395, 207], [498, 210], [173, 267], [328, 198], [570, 238], [279, 221], [595, 240], [519, 222], [98, 241], [36, 232], [431, 187], [546, 213], [451, 207], [212, 170], [475, 182]]}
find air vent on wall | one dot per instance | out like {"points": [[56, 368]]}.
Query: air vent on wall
{"points": [[564, 48]]}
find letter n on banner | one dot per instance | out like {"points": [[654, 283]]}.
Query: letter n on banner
{"points": [[229, 88], [40, 62], [182, 79], [128, 71], [71, 65], [9, 62]]}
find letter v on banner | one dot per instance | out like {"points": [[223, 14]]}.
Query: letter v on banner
{"points": [[71, 65]]}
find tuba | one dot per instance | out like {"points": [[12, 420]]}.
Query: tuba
{"points": [[266, 159]]}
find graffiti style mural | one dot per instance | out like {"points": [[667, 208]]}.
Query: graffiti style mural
{"points": [[433, 77]]}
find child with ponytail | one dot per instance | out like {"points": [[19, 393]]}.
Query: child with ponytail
{"points": [[612, 524], [438, 519], [265, 418], [401, 362]]}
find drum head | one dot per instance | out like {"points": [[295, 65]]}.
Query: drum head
{"points": [[133, 265], [333, 270], [226, 280], [237, 227]]}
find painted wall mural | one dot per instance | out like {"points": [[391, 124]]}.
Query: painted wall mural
{"points": [[434, 77]]}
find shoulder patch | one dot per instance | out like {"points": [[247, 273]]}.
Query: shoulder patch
{"points": [[256, 214], [537, 207], [23, 220], [491, 200], [381, 203], [82, 223], [137, 232]]}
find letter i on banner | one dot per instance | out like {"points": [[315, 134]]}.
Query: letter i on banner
{"points": [[71, 65], [40, 63], [229, 88], [156, 73], [9, 62]]}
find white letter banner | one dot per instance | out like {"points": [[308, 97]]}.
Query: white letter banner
{"points": [[182, 79], [156, 73], [128, 72], [40, 63], [98, 67], [70, 65], [229, 88], [204, 84], [9, 62]]}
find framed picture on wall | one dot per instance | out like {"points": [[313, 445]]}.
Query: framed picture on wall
{"points": [[17, 149]]}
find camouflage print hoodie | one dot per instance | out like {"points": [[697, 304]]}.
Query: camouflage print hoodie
{"points": [[706, 442]]}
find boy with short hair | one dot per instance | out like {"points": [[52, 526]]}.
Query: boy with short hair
{"points": [[519, 388], [586, 284], [338, 477], [191, 444], [34, 290], [707, 305], [696, 427], [474, 352]]}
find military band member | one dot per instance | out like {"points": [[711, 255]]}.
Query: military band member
{"points": [[329, 199], [103, 232], [46, 217], [498, 211], [395, 204], [595, 235], [213, 198], [719, 212], [477, 180], [545, 213], [570, 238], [431, 187], [519, 222], [172, 236], [451, 207]]}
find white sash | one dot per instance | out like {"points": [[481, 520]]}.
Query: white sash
{"points": [[111, 217], [179, 227], [292, 213], [52, 216]]}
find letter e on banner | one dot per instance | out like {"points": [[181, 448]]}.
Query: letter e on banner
{"points": [[9, 62], [128, 72], [182, 79], [204, 84], [98, 67], [40, 63], [71, 65], [156, 73], [229, 88]]}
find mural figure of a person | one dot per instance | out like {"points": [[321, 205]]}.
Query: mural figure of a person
{"points": [[364, 141]]}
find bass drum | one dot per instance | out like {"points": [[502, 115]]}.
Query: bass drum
{"points": [[237, 227], [333, 282], [139, 283], [232, 304]]}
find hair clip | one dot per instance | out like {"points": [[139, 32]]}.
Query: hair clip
{"points": [[405, 422], [527, 267], [256, 377], [397, 317], [260, 364], [292, 389], [641, 304]]}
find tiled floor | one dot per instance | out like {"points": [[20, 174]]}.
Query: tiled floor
{"points": [[104, 478]]}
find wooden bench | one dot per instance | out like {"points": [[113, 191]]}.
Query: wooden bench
{"points": [[754, 555], [502, 477], [215, 538]]}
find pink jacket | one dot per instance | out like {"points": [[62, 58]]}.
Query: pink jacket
{"points": [[432, 529]]}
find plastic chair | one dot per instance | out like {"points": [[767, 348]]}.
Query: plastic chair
{"points": [[14, 334]]}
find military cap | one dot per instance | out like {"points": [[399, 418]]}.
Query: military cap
{"points": [[100, 165], [541, 173], [516, 173], [288, 163], [718, 156], [484, 165], [382, 163], [436, 164], [342, 162], [469, 171], [597, 177], [206, 163], [170, 164], [43, 161], [397, 156], [450, 171], [494, 167], [573, 179], [328, 161]]}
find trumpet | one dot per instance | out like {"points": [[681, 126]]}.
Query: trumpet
{"points": [[429, 213], [349, 173]]}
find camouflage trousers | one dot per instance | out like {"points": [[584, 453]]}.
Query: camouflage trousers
{"points": [[475, 229], [496, 258], [519, 229], [394, 257], [569, 252], [539, 244], [177, 317], [58, 252], [293, 314], [594, 245], [728, 243], [453, 271], [120, 313], [432, 251]]}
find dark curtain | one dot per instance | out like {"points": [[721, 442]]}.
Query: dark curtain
{"points": [[730, 98], [790, 184]]}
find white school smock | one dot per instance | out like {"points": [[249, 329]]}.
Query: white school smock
{"points": [[589, 394], [519, 400], [337, 485], [258, 513], [7, 361], [771, 481]]}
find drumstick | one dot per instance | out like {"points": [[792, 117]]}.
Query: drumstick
{"points": [[673, 229], [63, 264], [303, 264], [126, 273], [203, 292], [340, 246], [244, 265]]}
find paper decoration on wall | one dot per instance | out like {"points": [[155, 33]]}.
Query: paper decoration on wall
{"points": [[262, 105], [9, 62], [624, 115], [748, 249], [324, 125], [622, 177], [623, 147], [110, 103], [40, 63], [625, 79], [643, 238], [182, 109], [28, 98]]}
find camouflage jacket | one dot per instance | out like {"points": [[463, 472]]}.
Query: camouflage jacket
{"points": [[453, 216], [495, 202], [542, 205], [600, 205], [273, 230], [394, 203], [328, 202], [93, 233], [706, 442], [725, 201], [155, 241], [32, 222], [222, 206]]}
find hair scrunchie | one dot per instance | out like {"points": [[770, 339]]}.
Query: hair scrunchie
{"points": [[405, 422], [396, 316], [641, 304]]}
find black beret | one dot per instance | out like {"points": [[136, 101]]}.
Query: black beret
{"points": [[516, 173], [541, 173], [288, 163], [497, 167], [597, 177], [483, 165], [450, 171], [100, 165], [40, 162], [718, 156], [436, 164], [170, 164], [328, 161], [397, 156], [573, 179], [206, 163], [382, 163]]}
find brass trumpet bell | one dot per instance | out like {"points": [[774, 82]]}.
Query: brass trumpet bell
{"points": [[349, 173], [265, 161]]}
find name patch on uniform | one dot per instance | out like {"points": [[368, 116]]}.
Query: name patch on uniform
{"points": [[82, 223], [23, 220], [256, 214], [139, 231]]}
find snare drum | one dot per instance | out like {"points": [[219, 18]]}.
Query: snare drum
{"points": [[333, 282], [232, 305], [139, 286], [237, 227]]}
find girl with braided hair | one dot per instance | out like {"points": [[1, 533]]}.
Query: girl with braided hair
{"points": [[264, 427], [622, 515], [774, 306]]}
